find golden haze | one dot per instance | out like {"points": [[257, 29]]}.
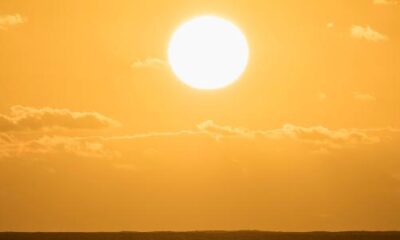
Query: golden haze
{"points": [[97, 134]]}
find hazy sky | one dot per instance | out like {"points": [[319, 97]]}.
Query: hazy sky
{"points": [[97, 134]]}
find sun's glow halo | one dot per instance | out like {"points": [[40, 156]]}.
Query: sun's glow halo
{"points": [[208, 52]]}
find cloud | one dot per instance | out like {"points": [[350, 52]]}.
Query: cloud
{"points": [[7, 21], [322, 96], [367, 33], [364, 97], [329, 138], [24, 118], [150, 63], [93, 147], [385, 2], [319, 137], [219, 131], [77, 146], [82, 146], [7, 144]]}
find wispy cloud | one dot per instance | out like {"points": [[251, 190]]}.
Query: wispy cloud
{"points": [[219, 131], [150, 62], [318, 137], [367, 33], [322, 96], [78, 146], [385, 2], [364, 97], [92, 147], [7, 21], [24, 118], [329, 138]]}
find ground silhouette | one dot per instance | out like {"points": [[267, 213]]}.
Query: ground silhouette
{"points": [[202, 235]]}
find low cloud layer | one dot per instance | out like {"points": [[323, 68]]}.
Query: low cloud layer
{"points": [[327, 137], [7, 21], [363, 97], [24, 118], [318, 137], [150, 63], [219, 131], [367, 33], [92, 147]]}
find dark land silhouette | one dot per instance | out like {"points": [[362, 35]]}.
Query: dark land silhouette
{"points": [[201, 235]]}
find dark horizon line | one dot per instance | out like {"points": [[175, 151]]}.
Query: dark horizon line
{"points": [[212, 231]]}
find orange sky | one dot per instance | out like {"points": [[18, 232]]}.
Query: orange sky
{"points": [[97, 134]]}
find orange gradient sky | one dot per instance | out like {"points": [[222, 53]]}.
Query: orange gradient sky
{"points": [[97, 133]]}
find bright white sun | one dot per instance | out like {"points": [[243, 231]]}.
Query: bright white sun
{"points": [[208, 52]]}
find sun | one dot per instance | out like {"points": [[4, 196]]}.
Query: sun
{"points": [[208, 52]]}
